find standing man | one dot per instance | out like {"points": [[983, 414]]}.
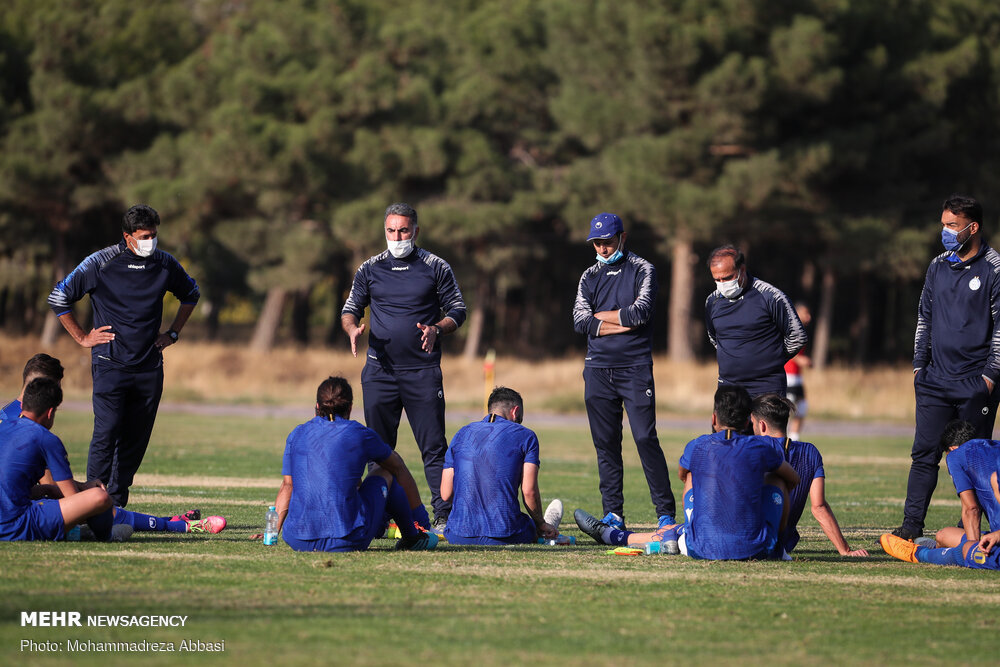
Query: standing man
{"points": [[414, 300], [126, 283], [956, 353], [751, 324], [614, 308]]}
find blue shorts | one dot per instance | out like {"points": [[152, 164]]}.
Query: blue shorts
{"points": [[526, 535], [373, 492], [43, 520], [978, 560]]}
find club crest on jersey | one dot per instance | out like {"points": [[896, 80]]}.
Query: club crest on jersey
{"points": [[978, 557], [975, 284]]}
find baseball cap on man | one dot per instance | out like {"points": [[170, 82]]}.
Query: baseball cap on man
{"points": [[604, 226]]}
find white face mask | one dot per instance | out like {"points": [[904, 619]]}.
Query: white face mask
{"points": [[729, 288], [144, 247], [400, 249]]}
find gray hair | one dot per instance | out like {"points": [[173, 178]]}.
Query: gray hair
{"points": [[403, 209]]}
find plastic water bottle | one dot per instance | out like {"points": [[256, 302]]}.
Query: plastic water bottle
{"points": [[73, 535], [271, 527], [652, 548], [560, 541]]}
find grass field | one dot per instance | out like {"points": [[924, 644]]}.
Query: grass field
{"points": [[515, 605]]}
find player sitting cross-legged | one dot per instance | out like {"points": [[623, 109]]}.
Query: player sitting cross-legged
{"points": [[735, 488], [972, 463], [44, 366], [769, 414], [27, 448], [487, 461], [320, 504]]}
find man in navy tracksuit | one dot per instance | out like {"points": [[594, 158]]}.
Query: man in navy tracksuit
{"points": [[126, 283], [614, 308], [956, 355], [414, 300], [751, 324]]}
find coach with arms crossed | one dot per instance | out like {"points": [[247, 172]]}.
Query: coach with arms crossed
{"points": [[956, 353], [614, 308], [126, 283], [414, 300]]}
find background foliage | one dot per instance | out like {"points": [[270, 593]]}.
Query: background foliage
{"points": [[819, 135]]}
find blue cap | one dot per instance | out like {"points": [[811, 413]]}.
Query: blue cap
{"points": [[604, 226]]}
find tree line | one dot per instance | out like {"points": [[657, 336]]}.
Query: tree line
{"points": [[818, 136]]}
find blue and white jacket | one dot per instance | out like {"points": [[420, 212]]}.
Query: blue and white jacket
{"points": [[628, 286], [126, 291], [753, 334]]}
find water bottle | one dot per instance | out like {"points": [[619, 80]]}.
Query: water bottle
{"points": [[73, 534], [652, 548], [271, 527], [560, 541]]}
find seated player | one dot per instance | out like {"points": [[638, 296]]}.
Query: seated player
{"points": [[769, 414], [487, 462], [320, 504], [44, 366], [735, 488], [981, 554], [973, 467], [39, 366], [27, 448]]}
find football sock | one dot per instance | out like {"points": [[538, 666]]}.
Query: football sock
{"points": [[148, 522], [398, 506], [937, 556], [420, 515], [615, 537], [101, 525]]}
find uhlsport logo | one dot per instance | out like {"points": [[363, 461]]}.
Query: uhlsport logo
{"points": [[440, 393], [649, 393], [975, 284]]}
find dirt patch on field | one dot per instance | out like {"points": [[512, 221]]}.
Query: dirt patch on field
{"points": [[203, 481]]}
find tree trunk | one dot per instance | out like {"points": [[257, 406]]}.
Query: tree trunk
{"points": [[861, 327], [51, 327], [270, 319], [824, 319], [681, 294], [474, 329], [300, 316]]}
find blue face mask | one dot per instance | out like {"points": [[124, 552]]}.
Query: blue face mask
{"points": [[614, 257], [949, 239]]}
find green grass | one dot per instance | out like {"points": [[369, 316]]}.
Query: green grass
{"points": [[461, 605]]}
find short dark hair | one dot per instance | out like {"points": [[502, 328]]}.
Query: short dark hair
{"points": [[403, 209], [139, 217], [727, 251], [504, 398], [965, 206], [957, 432], [40, 395], [773, 409], [334, 397], [732, 406], [44, 366]]}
